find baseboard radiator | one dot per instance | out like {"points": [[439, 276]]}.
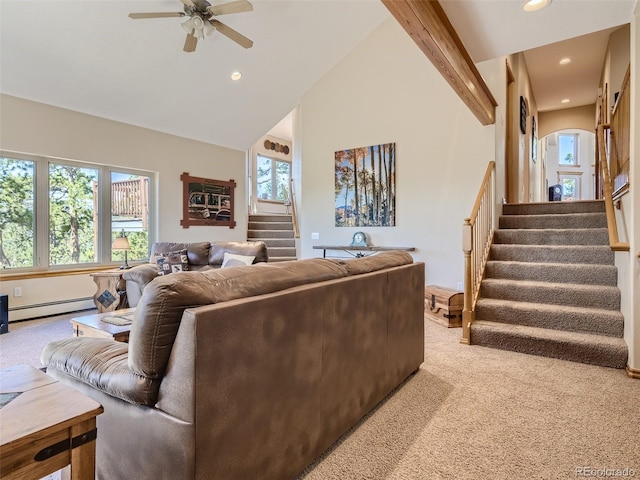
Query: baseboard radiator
{"points": [[27, 312]]}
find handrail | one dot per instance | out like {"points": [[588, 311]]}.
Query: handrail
{"points": [[619, 154], [612, 226], [294, 215], [477, 235]]}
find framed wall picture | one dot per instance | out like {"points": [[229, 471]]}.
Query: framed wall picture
{"points": [[523, 115], [207, 202], [365, 181], [534, 140]]}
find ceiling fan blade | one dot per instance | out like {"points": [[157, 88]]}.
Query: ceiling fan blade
{"points": [[156, 15], [188, 3], [232, 34], [237, 6], [190, 43]]}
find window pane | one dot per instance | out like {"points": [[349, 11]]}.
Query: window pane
{"points": [[17, 218], [73, 214], [130, 214], [567, 149], [283, 174], [264, 180]]}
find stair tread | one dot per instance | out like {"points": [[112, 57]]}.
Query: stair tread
{"points": [[582, 266], [553, 246], [563, 285], [550, 334], [547, 307]]}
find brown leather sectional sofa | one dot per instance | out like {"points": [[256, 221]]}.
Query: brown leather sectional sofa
{"points": [[202, 256], [248, 372]]}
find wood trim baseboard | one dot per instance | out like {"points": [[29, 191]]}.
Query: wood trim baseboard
{"points": [[633, 372], [428, 26]]}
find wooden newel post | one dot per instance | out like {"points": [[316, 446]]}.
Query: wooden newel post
{"points": [[467, 313]]}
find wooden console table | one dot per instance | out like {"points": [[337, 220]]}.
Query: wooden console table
{"points": [[46, 426], [360, 251]]}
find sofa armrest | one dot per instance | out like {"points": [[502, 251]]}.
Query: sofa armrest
{"points": [[137, 278]]}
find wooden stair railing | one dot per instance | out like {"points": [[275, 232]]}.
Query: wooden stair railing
{"points": [[294, 215], [607, 193], [477, 235]]}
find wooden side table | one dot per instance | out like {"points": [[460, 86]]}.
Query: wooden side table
{"points": [[111, 291], [46, 426]]}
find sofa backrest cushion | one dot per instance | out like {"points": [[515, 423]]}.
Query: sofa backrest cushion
{"points": [[379, 261], [197, 252], [257, 249], [158, 314]]}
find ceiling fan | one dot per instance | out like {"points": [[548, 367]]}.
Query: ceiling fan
{"points": [[201, 20]]}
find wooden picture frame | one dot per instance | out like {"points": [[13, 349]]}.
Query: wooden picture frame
{"points": [[534, 140], [207, 202], [523, 115]]}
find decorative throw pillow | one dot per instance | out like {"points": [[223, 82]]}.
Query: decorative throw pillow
{"points": [[172, 262], [233, 260]]}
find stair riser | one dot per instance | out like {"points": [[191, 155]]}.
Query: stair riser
{"points": [[579, 220], [263, 234], [523, 253], [598, 236], [604, 323], [279, 242], [595, 297], [594, 354], [281, 252], [553, 208], [269, 226], [554, 273], [270, 218]]}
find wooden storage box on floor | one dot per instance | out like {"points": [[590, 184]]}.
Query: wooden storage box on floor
{"points": [[443, 305]]}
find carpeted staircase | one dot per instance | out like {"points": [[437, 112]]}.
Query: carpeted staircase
{"points": [[550, 286], [276, 231]]}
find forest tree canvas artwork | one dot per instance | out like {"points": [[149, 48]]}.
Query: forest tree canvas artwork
{"points": [[366, 186]]}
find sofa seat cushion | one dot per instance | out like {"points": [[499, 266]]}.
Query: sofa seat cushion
{"points": [[103, 364]]}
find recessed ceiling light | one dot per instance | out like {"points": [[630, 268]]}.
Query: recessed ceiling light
{"points": [[565, 61], [235, 76], [565, 100], [533, 5]]}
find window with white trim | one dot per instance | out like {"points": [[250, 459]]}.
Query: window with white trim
{"points": [[52, 213], [273, 178], [568, 149]]}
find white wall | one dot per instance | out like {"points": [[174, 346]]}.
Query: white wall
{"points": [[632, 206], [39, 129], [385, 91]]}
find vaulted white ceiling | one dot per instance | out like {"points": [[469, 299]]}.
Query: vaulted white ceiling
{"points": [[88, 56]]}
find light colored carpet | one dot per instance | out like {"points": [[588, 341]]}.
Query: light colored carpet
{"points": [[550, 286], [27, 339], [477, 413]]}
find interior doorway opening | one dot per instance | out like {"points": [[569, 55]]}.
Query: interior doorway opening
{"points": [[570, 157]]}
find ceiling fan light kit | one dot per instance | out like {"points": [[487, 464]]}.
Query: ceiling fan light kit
{"points": [[201, 21]]}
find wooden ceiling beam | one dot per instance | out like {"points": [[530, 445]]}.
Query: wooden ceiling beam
{"points": [[428, 26]]}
